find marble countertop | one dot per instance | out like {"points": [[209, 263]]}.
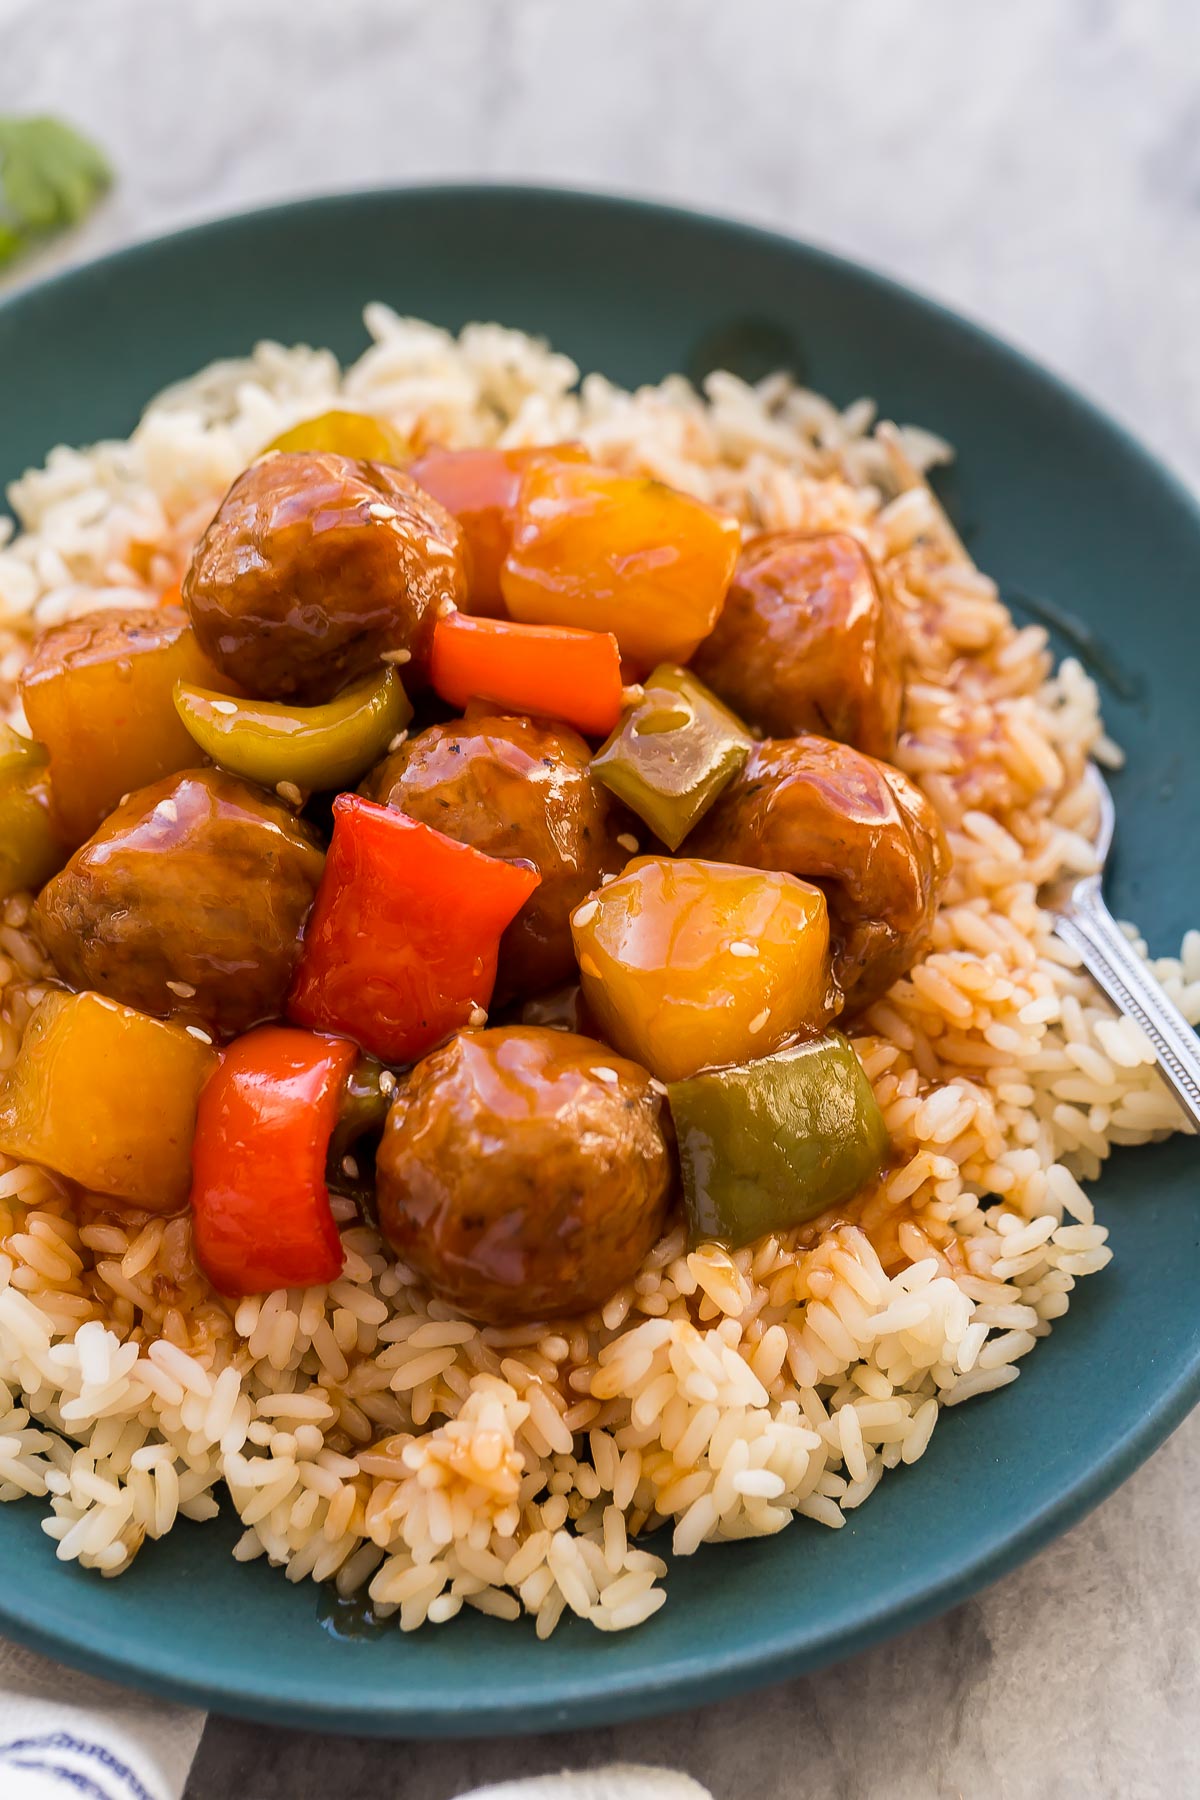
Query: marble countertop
{"points": [[1036, 164]]}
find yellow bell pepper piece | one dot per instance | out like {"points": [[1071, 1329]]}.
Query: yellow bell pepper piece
{"points": [[359, 435]]}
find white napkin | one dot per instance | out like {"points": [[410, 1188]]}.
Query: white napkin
{"points": [[65, 1736]]}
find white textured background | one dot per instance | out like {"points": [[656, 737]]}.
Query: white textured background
{"points": [[1035, 162]]}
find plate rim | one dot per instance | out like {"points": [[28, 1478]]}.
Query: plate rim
{"points": [[675, 1681], [960, 320]]}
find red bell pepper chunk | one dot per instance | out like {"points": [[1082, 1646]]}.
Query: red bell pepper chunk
{"points": [[261, 1217], [400, 947], [554, 671]]}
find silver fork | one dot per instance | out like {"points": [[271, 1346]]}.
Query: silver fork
{"points": [[1084, 921]]}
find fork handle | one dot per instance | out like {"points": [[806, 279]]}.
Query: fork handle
{"points": [[1108, 955]]}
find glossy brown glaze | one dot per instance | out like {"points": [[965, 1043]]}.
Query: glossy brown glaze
{"points": [[524, 1173], [808, 641], [313, 566], [187, 903], [520, 791], [858, 828]]}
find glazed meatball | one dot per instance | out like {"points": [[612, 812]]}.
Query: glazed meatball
{"points": [[858, 828], [313, 567], [808, 641], [520, 791], [524, 1173], [187, 903]]}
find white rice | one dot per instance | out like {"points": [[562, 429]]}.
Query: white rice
{"points": [[363, 1433]]}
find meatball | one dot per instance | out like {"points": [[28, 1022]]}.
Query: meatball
{"points": [[859, 829], [524, 1173], [313, 567], [517, 790], [188, 903], [808, 641]]}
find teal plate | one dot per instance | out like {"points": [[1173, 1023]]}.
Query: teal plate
{"points": [[1079, 525]]}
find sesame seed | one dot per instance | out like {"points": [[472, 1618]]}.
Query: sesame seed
{"points": [[759, 1019], [589, 967], [398, 657], [606, 1074], [379, 509], [225, 706], [401, 737], [742, 948], [195, 1031], [184, 989], [477, 1016], [167, 809], [632, 694], [657, 1086], [583, 915], [387, 1083], [350, 1167], [287, 790], [628, 842]]}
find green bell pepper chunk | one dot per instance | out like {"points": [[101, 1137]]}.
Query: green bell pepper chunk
{"points": [[673, 753], [31, 850], [316, 748], [366, 1099], [769, 1144], [367, 1095], [19, 755]]}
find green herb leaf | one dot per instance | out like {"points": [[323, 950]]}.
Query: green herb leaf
{"points": [[50, 177]]}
